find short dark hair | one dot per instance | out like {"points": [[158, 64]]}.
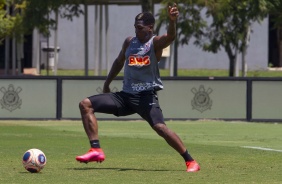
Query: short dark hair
{"points": [[147, 17]]}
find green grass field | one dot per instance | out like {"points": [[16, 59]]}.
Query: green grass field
{"points": [[137, 155], [180, 73]]}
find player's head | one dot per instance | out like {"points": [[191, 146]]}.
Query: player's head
{"points": [[144, 24], [146, 17]]}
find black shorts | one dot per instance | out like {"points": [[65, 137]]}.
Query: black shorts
{"points": [[145, 104]]}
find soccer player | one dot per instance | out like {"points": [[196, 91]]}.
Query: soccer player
{"points": [[139, 56]]}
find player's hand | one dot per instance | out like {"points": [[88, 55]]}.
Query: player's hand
{"points": [[106, 89], [173, 12]]}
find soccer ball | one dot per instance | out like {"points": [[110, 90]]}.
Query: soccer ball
{"points": [[34, 160]]}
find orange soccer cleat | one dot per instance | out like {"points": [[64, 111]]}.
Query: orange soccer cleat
{"points": [[192, 166], [93, 155]]}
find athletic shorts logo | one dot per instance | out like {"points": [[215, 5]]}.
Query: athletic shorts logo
{"points": [[201, 100], [11, 99], [138, 61]]}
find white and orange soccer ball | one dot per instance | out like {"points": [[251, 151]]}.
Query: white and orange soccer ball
{"points": [[34, 160]]}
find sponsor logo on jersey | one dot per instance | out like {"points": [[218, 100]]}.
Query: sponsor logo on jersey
{"points": [[138, 60], [142, 86]]}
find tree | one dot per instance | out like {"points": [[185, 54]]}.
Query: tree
{"points": [[189, 23], [7, 22], [147, 5], [275, 17], [29, 14], [275, 7], [229, 27], [36, 13], [21, 17]]}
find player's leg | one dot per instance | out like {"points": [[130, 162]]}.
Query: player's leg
{"points": [[102, 103], [170, 137], [89, 119], [97, 103], [175, 142], [154, 116]]}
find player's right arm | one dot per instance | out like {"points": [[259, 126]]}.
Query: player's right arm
{"points": [[117, 66]]}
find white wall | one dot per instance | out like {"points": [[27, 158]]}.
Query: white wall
{"points": [[121, 20]]}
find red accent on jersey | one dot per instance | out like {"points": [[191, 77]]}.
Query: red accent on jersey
{"points": [[139, 61]]}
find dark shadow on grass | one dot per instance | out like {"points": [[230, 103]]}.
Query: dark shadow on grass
{"points": [[121, 169], [23, 172]]}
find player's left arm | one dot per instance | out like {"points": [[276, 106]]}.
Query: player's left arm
{"points": [[161, 42]]}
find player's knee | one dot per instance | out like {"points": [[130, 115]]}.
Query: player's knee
{"points": [[84, 104], [161, 129]]}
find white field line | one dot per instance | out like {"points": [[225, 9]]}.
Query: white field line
{"points": [[261, 148]]}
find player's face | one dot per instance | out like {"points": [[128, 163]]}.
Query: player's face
{"points": [[143, 32]]}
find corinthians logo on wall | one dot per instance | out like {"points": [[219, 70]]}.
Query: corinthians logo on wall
{"points": [[201, 100], [11, 99]]}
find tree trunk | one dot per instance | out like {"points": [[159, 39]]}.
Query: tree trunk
{"points": [[175, 59], [147, 5], [236, 64], [232, 66], [244, 52], [279, 43], [232, 60]]}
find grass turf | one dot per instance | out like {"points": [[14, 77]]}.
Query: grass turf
{"points": [[136, 155]]}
